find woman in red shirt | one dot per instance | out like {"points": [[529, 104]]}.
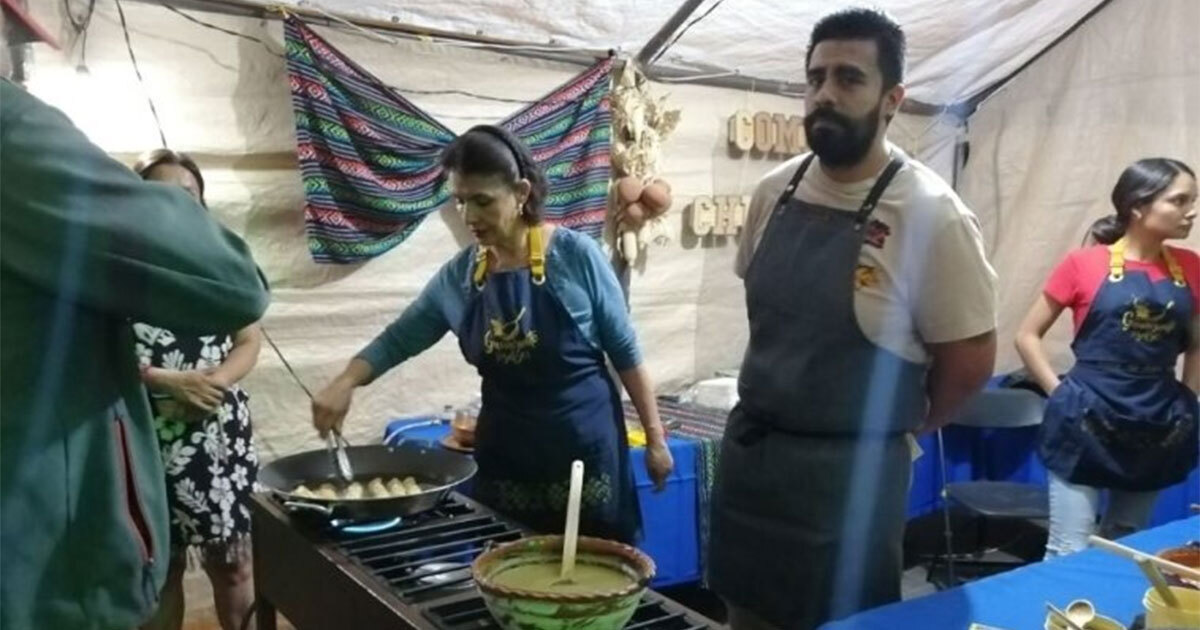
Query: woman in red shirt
{"points": [[1120, 420]]}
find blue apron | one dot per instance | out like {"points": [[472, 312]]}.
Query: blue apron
{"points": [[810, 493], [547, 401], [1121, 419]]}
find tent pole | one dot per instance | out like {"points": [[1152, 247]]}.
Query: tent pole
{"points": [[659, 39]]}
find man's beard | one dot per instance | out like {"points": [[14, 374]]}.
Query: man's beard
{"points": [[841, 141]]}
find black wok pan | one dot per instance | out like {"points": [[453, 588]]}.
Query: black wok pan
{"points": [[437, 470]]}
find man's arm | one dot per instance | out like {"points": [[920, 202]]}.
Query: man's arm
{"points": [[959, 370], [80, 224], [955, 312]]}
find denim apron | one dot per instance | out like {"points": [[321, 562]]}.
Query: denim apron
{"points": [[1120, 419], [547, 401], [810, 495]]}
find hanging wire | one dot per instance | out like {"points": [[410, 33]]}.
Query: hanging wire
{"points": [[80, 26], [741, 183], [286, 363], [402, 90], [138, 71], [221, 29], [698, 77], [463, 44], [685, 29]]}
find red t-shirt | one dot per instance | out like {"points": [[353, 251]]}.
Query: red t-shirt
{"points": [[1075, 281]]}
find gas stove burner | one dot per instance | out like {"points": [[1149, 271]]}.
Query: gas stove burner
{"points": [[411, 575], [444, 575], [355, 527]]}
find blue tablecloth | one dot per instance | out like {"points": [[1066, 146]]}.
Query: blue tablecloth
{"points": [[1016, 600], [669, 519]]}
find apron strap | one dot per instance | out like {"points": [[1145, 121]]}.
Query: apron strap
{"points": [[1116, 260], [537, 256], [868, 205], [872, 199], [795, 180], [1174, 267], [481, 257], [537, 260], [1116, 263]]}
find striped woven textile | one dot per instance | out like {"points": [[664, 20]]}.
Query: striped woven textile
{"points": [[569, 132], [706, 426], [368, 156]]}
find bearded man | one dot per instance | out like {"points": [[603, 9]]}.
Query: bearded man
{"points": [[872, 318]]}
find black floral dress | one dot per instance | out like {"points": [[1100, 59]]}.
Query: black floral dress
{"points": [[211, 463]]}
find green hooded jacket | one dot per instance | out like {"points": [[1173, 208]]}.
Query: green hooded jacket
{"points": [[85, 247]]}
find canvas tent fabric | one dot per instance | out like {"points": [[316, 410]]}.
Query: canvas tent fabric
{"points": [[1044, 152], [956, 47], [1047, 150]]}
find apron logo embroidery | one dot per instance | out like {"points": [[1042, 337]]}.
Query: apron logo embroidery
{"points": [[865, 276], [877, 233], [508, 342], [1143, 324]]}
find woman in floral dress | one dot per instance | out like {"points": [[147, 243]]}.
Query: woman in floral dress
{"points": [[203, 420]]}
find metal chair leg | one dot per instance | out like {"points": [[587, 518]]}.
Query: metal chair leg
{"points": [[949, 531]]}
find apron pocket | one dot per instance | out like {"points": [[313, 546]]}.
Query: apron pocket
{"points": [[1136, 454], [1058, 435]]}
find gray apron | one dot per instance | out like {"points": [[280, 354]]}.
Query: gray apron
{"points": [[810, 495]]}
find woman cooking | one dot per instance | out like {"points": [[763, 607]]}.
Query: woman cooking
{"points": [[536, 309], [1119, 420]]}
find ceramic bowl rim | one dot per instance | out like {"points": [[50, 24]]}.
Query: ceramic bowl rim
{"points": [[635, 559]]}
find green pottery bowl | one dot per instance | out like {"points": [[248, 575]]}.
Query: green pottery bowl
{"points": [[519, 609]]}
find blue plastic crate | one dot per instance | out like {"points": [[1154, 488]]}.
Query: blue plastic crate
{"points": [[670, 532]]}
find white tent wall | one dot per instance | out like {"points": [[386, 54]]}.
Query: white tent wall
{"points": [[956, 48], [1046, 150], [226, 100]]}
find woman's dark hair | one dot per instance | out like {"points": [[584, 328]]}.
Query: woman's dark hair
{"points": [[491, 150], [1139, 184], [865, 24], [158, 157]]}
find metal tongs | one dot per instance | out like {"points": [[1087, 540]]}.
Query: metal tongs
{"points": [[337, 450]]}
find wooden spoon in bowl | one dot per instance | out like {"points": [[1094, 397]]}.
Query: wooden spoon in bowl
{"points": [[571, 535]]}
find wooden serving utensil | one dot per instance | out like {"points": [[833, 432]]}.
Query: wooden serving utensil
{"points": [[571, 535]]}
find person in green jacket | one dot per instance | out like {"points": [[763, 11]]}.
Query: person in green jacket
{"points": [[87, 247]]}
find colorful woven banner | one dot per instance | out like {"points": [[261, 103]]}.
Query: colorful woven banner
{"points": [[569, 132], [368, 156]]}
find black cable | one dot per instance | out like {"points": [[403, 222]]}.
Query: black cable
{"points": [[483, 97], [83, 67], [685, 30], [287, 365], [83, 22], [80, 26], [402, 90], [220, 29], [138, 71]]}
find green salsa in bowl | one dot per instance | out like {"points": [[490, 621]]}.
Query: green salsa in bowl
{"points": [[520, 584]]}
